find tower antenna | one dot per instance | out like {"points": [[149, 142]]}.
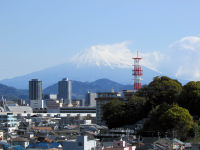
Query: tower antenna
{"points": [[137, 72]]}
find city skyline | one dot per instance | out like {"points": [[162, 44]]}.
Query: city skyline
{"points": [[39, 34]]}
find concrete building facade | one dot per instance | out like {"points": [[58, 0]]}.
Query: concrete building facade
{"points": [[65, 90], [53, 106], [35, 89], [35, 94], [90, 99]]}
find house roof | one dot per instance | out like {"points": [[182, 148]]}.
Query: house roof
{"points": [[20, 139], [73, 126], [188, 145], [43, 128], [178, 141], [44, 145]]}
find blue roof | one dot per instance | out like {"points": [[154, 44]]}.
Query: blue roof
{"points": [[18, 147], [44, 145], [178, 141]]}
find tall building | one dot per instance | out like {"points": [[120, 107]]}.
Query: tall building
{"points": [[35, 94], [35, 89], [65, 90], [90, 99]]}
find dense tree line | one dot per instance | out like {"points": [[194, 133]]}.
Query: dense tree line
{"points": [[166, 101], [190, 98], [167, 118], [117, 113]]}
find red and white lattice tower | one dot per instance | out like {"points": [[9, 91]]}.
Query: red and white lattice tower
{"points": [[137, 72]]}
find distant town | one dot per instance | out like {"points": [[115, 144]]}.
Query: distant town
{"points": [[55, 121]]}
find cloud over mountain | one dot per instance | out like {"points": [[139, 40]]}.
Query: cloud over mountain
{"points": [[116, 55]]}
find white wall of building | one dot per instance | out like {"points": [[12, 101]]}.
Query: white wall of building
{"points": [[82, 143], [37, 104]]}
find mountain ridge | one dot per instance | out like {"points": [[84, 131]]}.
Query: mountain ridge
{"points": [[79, 89], [52, 75], [12, 93]]}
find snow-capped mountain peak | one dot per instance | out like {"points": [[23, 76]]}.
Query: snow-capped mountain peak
{"points": [[116, 55]]}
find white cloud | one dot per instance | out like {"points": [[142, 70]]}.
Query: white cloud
{"points": [[191, 43], [153, 60], [184, 60], [116, 55], [179, 72]]}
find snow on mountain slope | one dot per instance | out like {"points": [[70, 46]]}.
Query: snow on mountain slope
{"points": [[116, 55]]}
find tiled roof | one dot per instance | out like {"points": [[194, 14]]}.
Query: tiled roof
{"points": [[43, 128]]}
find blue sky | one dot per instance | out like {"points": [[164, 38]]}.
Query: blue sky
{"points": [[37, 34]]}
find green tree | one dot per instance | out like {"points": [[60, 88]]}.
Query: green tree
{"points": [[154, 124], [195, 130], [178, 119], [163, 90], [113, 113], [136, 109], [190, 97], [117, 113], [168, 118]]}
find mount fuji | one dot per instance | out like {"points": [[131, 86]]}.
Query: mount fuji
{"points": [[111, 62]]}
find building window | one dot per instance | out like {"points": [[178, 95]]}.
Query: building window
{"points": [[80, 144]]}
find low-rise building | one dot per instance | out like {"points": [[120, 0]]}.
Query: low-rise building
{"points": [[120, 145], [53, 106], [20, 109], [8, 122], [128, 94], [24, 142], [82, 143], [78, 110], [37, 103], [78, 102]]}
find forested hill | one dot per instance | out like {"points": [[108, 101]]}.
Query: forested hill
{"points": [[11, 93]]}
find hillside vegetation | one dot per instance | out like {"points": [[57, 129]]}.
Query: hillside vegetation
{"points": [[169, 106]]}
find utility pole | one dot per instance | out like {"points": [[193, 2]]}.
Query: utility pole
{"points": [[158, 135], [173, 133], [139, 141]]}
